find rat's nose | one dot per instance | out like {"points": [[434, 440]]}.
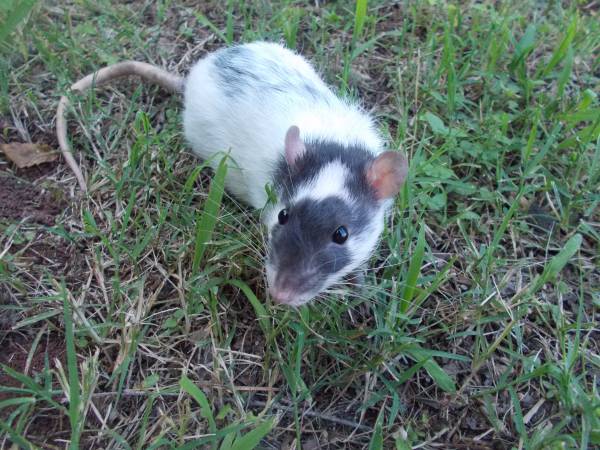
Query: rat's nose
{"points": [[283, 296]]}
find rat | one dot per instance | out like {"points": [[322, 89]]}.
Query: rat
{"points": [[283, 127]]}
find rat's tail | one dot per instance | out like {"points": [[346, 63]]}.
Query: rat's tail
{"points": [[148, 72]]}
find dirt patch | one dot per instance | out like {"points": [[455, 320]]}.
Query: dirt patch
{"points": [[20, 199], [16, 349], [36, 174], [31, 196], [54, 255], [8, 315]]}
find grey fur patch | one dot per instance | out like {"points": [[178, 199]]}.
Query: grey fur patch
{"points": [[233, 70], [241, 71]]}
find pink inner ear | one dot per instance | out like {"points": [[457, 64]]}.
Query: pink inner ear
{"points": [[294, 147], [387, 173]]}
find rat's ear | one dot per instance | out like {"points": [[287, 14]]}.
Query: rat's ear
{"points": [[294, 147], [387, 173]]}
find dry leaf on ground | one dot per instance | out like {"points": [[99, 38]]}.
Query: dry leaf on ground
{"points": [[28, 154]]}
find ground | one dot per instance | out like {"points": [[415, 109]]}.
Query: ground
{"points": [[478, 328]]}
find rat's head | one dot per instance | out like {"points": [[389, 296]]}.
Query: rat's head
{"points": [[331, 205]]}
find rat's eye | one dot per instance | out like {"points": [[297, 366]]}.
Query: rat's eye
{"points": [[283, 217], [340, 235]]}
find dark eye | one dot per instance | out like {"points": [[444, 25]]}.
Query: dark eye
{"points": [[283, 217], [340, 235]]}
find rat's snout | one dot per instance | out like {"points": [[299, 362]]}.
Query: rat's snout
{"points": [[283, 296], [288, 288], [281, 289]]}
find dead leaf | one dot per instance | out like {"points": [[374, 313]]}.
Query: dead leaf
{"points": [[28, 154]]}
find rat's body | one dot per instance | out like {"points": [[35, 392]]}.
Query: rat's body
{"points": [[284, 127], [243, 99]]}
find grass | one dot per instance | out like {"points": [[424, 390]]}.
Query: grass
{"points": [[478, 327]]}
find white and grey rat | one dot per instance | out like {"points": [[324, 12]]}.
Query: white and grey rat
{"points": [[284, 127]]}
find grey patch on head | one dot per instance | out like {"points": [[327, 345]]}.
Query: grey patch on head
{"points": [[318, 154], [304, 243], [303, 251], [241, 71]]}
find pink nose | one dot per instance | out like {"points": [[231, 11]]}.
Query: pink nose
{"points": [[282, 296]]}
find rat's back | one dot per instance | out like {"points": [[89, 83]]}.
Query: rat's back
{"points": [[243, 99]]}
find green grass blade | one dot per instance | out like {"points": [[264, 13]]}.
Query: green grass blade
{"points": [[441, 378], [530, 141], [425, 352], [36, 318], [32, 386], [16, 401], [74, 394], [208, 218], [15, 437], [562, 50], [497, 46], [297, 353], [207, 23], [359, 19], [439, 278], [251, 439], [191, 179], [229, 23], [586, 114], [290, 25], [517, 413], [565, 74], [259, 309], [558, 262], [401, 444], [525, 45], [205, 410], [583, 136], [499, 232], [534, 163], [414, 269], [196, 444], [377, 438], [123, 368], [144, 423], [15, 17], [227, 442]]}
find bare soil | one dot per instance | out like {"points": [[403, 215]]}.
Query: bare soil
{"points": [[28, 196], [22, 200], [15, 351], [16, 348]]}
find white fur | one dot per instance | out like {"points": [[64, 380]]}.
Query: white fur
{"points": [[329, 182], [365, 242], [252, 127]]}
